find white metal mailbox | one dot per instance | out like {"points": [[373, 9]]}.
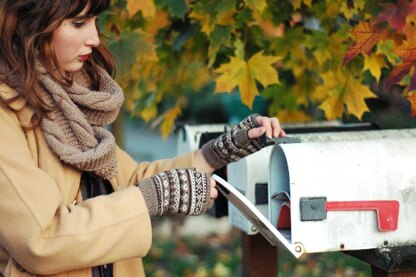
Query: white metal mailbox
{"points": [[333, 188], [189, 136], [250, 177]]}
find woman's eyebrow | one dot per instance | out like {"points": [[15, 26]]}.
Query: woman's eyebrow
{"points": [[81, 17]]}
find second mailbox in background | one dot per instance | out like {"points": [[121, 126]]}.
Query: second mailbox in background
{"points": [[250, 176]]}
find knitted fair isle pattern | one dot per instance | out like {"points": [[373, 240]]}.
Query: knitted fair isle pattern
{"points": [[232, 146], [176, 191]]}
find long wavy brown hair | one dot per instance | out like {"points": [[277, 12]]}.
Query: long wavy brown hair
{"points": [[26, 28]]}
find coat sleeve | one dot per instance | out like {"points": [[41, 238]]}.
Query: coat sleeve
{"points": [[131, 173], [43, 233]]}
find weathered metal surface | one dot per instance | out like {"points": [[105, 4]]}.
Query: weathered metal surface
{"points": [[244, 175], [361, 135], [389, 259], [379, 168]]}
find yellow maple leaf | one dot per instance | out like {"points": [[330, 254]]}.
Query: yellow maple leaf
{"points": [[244, 74], [147, 49], [374, 63], [298, 3], [332, 8], [286, 116], [151, 72], [322, 55], [257, 5], [350, 12], [147, 7], [131, 99], [169, 121], [339, 89], [148, 113], [160, 21], [208, 23], [308, 3], [204, 19]]}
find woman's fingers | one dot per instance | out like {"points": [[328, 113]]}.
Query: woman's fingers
{"points": [[256, 132], [269, 126], [214, 191]]}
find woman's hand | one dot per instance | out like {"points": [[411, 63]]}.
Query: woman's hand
{"points": [[213, 193], [267, 125], [185, 191], [242, 140]]}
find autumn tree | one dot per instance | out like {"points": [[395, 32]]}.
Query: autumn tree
{"points": [[301, 55]]}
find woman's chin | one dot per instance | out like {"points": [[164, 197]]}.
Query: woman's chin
{"points": [[74, 67]]}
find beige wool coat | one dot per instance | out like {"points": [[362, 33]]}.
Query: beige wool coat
{"points": [[42, 231]]}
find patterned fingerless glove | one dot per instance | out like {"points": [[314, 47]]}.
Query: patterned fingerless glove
{"points": [[185, 191], [232, 146]]}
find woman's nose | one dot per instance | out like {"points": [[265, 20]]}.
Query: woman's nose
{"points": [[93, 40]]}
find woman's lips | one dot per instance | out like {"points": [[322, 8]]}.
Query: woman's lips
{"points": [[84, 57]]}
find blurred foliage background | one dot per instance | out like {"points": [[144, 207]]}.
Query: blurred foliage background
{"points": [[218, 60], [287, 54], [220, 255]]}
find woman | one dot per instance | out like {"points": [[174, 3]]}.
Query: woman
{"points": [[56, 94]]}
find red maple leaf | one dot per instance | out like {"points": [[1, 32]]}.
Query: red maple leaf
{"points": [[395, 14], [366, 35], [412, 100], [406, 51], [398, 72], [412, 84]]}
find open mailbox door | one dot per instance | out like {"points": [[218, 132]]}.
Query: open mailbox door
{"points": [[253, 214], [343, 195]]}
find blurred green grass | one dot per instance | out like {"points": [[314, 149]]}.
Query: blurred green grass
{"points": [[220, 255]]}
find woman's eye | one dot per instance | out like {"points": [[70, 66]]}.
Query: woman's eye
{"points": [[78, 24]]}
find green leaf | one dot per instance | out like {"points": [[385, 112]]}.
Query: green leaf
{"points": [[177, 8], [293, 39], [318, 42], [219, 37], [214, 8], [281, 10], [239, 49], [123, 52], [386, 48]]}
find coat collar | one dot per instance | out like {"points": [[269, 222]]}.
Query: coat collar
{"points": [[23, 110]]}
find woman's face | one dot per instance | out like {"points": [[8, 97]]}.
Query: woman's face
{"points": [[73, 41]]}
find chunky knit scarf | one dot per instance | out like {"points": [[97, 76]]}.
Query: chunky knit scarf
{"points": [[74, 128]]}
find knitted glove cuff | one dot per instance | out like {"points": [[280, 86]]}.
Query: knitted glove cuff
{"points": [[149, 191], [176, 191], [231, 147], [247, 123]]}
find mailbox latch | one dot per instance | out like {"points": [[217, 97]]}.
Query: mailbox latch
{"points": [[280, 140]]}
